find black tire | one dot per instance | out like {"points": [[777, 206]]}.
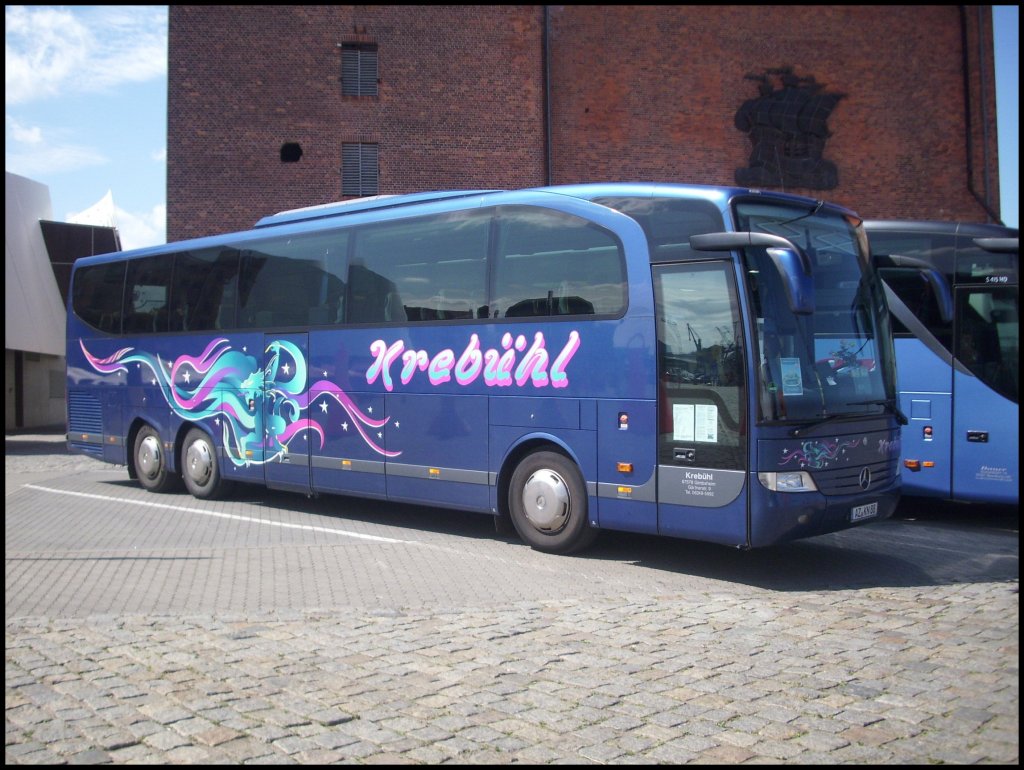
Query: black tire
{"points": [[200, 467], [548, 503], [151, 461]]}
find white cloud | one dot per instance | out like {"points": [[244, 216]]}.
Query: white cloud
{"points": [[145, 229], [24, 134], [49, 51], [32, 153]]}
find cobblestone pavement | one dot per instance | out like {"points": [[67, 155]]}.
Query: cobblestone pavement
{"points": [[896, 643]]}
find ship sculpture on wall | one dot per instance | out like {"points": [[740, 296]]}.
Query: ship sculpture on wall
{"points": [[788, 128]]}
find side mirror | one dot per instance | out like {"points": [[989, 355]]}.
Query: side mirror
{"points": [[791, 262], [999, 245], [936, 281], [799, 285]]}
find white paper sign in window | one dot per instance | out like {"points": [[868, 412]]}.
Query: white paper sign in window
{"points": [[695, 422]]}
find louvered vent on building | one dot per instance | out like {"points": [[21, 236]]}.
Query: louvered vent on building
{"points": [[358, 69], [358, 169]]}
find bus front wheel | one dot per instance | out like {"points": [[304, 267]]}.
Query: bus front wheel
{"points": [[548, 503], [151, 462], [200, 467]]}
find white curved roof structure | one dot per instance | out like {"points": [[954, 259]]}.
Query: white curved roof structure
{"points": [[34, 316]]}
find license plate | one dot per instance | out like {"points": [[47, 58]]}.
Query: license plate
{"points": [[864, 512]]}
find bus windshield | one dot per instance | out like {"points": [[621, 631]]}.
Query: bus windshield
{"points": [[837, 361]]}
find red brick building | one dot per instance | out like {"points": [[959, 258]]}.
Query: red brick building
{"points": [[887, 109]]}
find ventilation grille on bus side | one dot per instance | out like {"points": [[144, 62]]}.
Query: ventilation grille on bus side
{"points": [[84, 414]]}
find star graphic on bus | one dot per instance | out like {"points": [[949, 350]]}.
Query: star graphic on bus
{"points": [[278, 412]]}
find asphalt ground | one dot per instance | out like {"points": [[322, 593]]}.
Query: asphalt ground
{"points": [[272, 628]]}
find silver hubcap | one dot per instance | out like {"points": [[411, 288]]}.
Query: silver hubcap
{"points": [[148, 461], [198, 462], [546, 501]]}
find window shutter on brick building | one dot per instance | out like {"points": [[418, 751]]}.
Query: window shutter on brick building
{"points": [[358, 169], [358, 69]]}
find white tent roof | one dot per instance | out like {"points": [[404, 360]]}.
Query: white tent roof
{"points": [[100, 214]]}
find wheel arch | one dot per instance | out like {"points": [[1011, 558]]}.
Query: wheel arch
{"points": [[179, 439], [515, 454], [212, 484], [137, 424]]}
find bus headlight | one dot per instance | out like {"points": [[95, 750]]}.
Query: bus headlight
{"points": [[790, 481]]}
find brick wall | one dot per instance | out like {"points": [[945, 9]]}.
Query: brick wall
{"points": [[637, 93], [459, 105], [651, 93]]}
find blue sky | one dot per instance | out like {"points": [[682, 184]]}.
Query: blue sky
{"points": [[86, 109]]}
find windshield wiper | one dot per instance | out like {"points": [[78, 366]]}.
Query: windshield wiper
{"points": [[811, 213], [889, 402], [822, 421]]}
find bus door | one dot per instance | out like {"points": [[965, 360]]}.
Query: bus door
{"points": [[926, 397], [922, 331], [287, 432], [702, 403], [985, 401]]}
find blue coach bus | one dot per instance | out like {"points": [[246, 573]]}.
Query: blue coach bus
{"points": [[650, 358], [957, 339]]}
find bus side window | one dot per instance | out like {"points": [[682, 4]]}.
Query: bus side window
{"points": [[203, 291], [550, 264], [431, 268], [146, 294]]}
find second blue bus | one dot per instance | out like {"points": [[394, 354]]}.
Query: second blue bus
{"points": [[957, 330]]}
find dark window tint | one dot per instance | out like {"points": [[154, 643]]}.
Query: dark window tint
{"points": [[550, 264], [97, 295], [293, 281], [204, 291], [359, 69], [426, 269], [146, 294], [919, 296], [359, 169], [937, 249], [909, 284], [988, 336], [668, 223]]}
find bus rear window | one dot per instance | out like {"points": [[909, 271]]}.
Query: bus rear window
{"points": [[97, 294]]}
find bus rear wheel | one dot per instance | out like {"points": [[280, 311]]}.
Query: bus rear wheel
{"points": [[548, 503], [151, 462], [200, 467]]}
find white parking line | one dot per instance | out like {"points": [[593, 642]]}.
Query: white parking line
{"points": [[199, 512]]}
